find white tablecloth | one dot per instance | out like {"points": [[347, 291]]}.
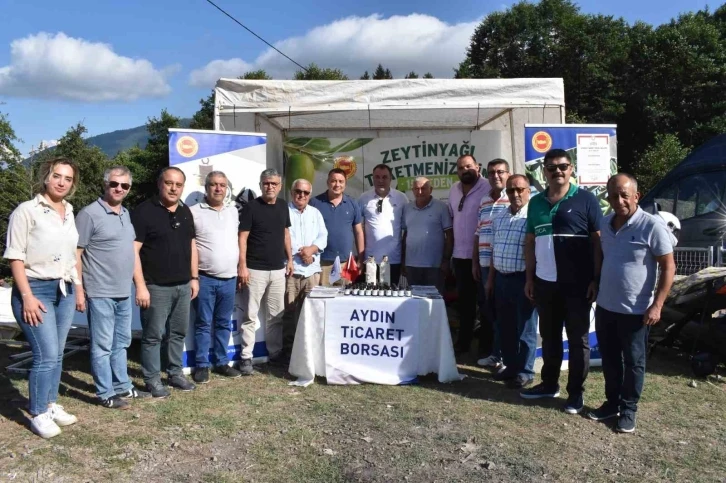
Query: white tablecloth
{"points": [[436, 350]]}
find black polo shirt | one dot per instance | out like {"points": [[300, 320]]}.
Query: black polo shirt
{"points": [[266, 241], [166, 253]]}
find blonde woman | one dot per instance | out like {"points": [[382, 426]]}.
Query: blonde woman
{"points": [[41, 247]]}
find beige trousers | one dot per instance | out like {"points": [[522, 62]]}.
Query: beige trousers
{"points": [[266, 287]]}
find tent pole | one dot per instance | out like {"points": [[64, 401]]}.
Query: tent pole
{"points": [[511, 135], [493, 118]]}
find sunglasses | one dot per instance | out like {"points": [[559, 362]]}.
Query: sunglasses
{"points": [[301, 192], [554, 167], [516, 190], [461, 203], [379, 206], [173, 221], [116, 184]]}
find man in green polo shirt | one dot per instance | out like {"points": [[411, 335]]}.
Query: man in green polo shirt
{"points": [[562, 252]]}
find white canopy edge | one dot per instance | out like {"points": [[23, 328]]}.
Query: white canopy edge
{"points": [[235, 95]]}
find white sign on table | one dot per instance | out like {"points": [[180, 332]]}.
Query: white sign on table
{"points": [[371, 340]]}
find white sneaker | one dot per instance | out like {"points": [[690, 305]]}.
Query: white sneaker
{"points": [[61, 417], [44, 426], [491, 361]]}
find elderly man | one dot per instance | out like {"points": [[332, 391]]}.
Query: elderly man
{"points": [[166, 280], [308, 238], [464, 200], [265, 259], [635, 245], [216, 224], [492, 205], [563, 269], [427, 237], [106, 255], [505, 287], [343, 220], [382, 209]]}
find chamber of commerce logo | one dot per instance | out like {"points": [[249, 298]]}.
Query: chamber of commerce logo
{"points": [[541, 142], [187, 146]]}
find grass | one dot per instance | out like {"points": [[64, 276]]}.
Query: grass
{"points": [[259, 429]]}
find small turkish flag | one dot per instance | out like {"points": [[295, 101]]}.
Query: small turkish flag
{"points": [[350, 270]]}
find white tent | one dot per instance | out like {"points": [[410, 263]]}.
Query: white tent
{"points": [[392, 108]]}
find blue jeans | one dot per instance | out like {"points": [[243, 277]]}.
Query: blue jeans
{"points": [[47, 340], [517, 323], [109, 320], [214, 305], [622, 339], [487, 309]]}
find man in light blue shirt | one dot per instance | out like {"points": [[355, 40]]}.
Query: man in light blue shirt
{"points": [[308, 237]]}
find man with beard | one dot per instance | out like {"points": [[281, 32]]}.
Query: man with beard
{"points": [[464, 200], [563, 272]]}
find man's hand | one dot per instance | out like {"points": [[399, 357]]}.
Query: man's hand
{"points": [[475, 270], [143, 297], [652, 315], [445, 268], [80, 299], [306, 253], [33, 310], [194, 285], [243, 277], [289, 270], [489, 289], [592, 290], [529, 290]]}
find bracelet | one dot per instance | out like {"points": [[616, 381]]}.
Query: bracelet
{"points": [[195, 278], [24, 294]]}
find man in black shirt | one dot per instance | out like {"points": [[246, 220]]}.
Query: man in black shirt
{"points": [[166, 280], [265, 259]]}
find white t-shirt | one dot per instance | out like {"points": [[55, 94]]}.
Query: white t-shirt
{"points": [[217, 239], [383, 230]]}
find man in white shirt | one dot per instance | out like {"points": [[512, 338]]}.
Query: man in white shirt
{"points": [[216, 224], [382, 209], [308, 237]]}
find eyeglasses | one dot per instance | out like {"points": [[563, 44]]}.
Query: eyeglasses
{"points": [[498, 172], [379, 206], [173, 220], [461, 203], [516, 190], [554, 167], [270, 183], [301, 192], [116, 184]]}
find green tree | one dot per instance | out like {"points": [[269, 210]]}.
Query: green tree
{"points": [[365, 76], [15, 183], [259, 74], [382, 73], [313, 72], [659, 158], [428, 75], [411, 75]]}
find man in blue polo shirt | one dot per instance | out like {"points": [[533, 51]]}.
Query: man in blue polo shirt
{"points": [[343, 220], [634, 245], [562, 252]]}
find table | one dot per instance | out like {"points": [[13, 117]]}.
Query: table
{"points": [[435, 354]]}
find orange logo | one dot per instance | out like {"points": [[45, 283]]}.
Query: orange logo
{"points": [[347, 164], [541, 142], [187, 146]]}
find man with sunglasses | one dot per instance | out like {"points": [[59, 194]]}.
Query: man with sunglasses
{"points": [[216, 223], [166, 280], [492, 204], [382, 209], [464, 200], [265, 259], [106, 255], [563, 271], [308, 238]]}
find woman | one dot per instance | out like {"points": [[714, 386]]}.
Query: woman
{"points": [[41, 247]]}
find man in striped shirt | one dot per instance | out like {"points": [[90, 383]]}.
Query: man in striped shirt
{"points": [[492, 204], [517, 325]]}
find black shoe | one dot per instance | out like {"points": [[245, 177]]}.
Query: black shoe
{"points": [[520, 382], [245, 367], [134, 393], [279, 359], [505, 375], [115, 402], [540, 391], [574, 404], [181, 383], [227, 371], [626, 423], [201, 375], [606, 411], [158, 390]]}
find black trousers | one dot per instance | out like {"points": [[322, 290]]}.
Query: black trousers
{"points": [[469, 300], [559, 304]]}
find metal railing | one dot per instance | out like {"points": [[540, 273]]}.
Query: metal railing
{"points": [[691, 260]]}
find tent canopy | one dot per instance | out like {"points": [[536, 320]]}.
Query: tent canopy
{"points": [[387, 108]]}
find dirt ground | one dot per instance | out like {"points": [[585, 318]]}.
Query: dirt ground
{"points": [[260, 429]]}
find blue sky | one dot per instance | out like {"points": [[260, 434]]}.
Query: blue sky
{"points": [[112, 64]]}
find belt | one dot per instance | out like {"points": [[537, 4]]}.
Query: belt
{"points": [[202, 272]]}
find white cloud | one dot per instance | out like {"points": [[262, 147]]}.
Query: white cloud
{"points": [[207, 76], [417, 42], [60, 67]]}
